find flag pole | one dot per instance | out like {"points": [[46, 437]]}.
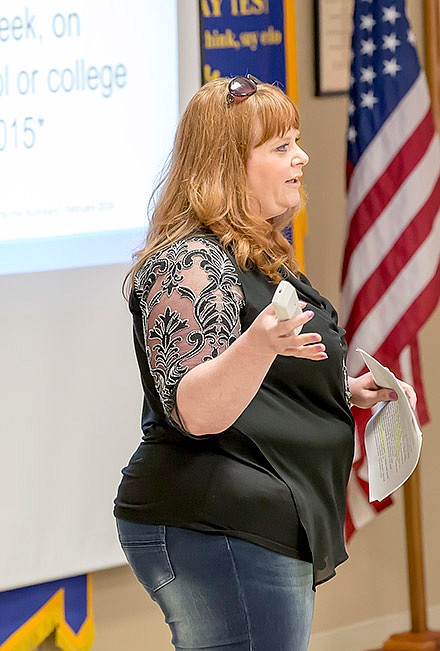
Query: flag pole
{"points": [[432, 55], [416, 575], [420, 638]]}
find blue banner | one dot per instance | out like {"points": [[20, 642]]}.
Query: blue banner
{"points": [[29, 615], [243, 36]]}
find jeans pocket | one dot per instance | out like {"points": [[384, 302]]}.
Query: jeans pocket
{"points": [[145, 548]]}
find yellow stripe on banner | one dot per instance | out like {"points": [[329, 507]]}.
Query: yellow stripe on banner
{"points": [[51, 618], [299, 227], [67, 640], [38, 627], [290, 49]]}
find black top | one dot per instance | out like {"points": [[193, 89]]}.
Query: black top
{"points": [[278, 476]]}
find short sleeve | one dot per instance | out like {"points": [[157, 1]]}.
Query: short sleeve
{"points": [[190, 296]]}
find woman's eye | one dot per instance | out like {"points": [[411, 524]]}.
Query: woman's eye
{"points": [[283, 148]]}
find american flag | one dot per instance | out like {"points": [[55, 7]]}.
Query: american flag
{"points": [[391, 272]]}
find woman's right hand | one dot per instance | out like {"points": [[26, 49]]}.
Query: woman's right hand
{"points": [[271, 336]]}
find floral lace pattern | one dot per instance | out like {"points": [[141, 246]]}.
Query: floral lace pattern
{"points": [[190, 297]]}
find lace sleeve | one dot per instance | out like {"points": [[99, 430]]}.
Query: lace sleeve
{"points": [[191, 299]]}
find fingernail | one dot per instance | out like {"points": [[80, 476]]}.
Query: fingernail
{"points": [[309, 313], [393, 395]]}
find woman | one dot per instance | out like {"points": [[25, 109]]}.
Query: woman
{"points": [[232, 509]]}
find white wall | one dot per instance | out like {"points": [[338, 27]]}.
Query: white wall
{"points": [[368, 599]]}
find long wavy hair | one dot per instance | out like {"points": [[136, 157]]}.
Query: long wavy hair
{"points": [[205, 187]]}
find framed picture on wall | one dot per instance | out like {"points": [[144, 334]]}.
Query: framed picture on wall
{"points": [[333, 21]]}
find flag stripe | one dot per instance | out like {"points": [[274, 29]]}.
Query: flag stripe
{"points": [[387, 185], [360, 510], [416, 370], [389, 267], [412, 320], [387, 143], [387, 228], [388, 347]]}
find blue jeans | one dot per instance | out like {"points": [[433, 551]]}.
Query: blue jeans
{"points": [[221, 593]]}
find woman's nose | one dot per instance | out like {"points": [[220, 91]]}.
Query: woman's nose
{"points": [[305, 157], [300, 158]]}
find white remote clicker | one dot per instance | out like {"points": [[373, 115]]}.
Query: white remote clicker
{"points": [[285, 302]]}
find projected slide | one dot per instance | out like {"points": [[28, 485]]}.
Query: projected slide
{"points": [[88, 108]]}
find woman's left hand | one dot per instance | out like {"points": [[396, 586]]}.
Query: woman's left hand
{"points": [[365, 393]]}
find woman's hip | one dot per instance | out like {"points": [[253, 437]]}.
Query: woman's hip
{"points": [[221, 592]]}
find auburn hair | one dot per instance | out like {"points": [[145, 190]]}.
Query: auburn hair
{"points": [[204, 188]]}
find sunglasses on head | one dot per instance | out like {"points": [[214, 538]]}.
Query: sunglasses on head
{"points": [[240, 88]]}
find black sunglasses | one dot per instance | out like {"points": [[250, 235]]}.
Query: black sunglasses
{"points": [[240, 88]]}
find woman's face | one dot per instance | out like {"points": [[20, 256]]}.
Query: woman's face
{"points": [[274, 171]]}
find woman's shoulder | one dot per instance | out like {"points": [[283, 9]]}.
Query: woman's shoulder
{"points": [[203, 250], [203, 244]]}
